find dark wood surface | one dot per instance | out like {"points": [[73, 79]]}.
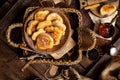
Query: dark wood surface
{"points": [[12, 11]]}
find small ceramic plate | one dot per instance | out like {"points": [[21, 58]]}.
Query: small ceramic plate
{"points": [[96, 11]]}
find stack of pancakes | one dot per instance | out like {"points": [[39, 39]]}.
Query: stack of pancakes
{"points": [[46, 29]]}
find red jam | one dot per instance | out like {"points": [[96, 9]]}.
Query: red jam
{"points": [[106, 30]]}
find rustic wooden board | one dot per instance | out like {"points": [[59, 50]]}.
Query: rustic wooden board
{"points": [[6, 6], [10, 64]]}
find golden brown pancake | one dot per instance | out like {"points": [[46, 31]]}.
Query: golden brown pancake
{"points": [[44, 41], [107, 9], [41, 15], [54, 16], [60, 25], [32, 26], [43, 24], [35, 34], [56, 34]]}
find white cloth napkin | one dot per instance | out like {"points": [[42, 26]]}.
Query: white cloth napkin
{"points": [[97, 20], [108, 19]]}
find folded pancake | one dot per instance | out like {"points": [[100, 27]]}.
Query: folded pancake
{"points": [[35, 34], [107, 9], [56, 34], [44, 41], [43, 24], [54, 16], [41, 15], [60, 25], [32, 26]]}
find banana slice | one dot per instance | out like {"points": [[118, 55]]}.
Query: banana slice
{"points": [[41, 15], [32, 26], [35, 34], [44, 41], [54, 16], [55, 32], [42, 25], [60, 25]]}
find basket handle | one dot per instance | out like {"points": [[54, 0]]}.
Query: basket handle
{"points": [[16, 45], [71, 10], [12, 43], [8, 33]]}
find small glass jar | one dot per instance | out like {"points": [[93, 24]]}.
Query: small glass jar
{"points": [[92, 54], [106, 30]]}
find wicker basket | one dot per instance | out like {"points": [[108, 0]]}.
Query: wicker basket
{"points": [[75, 58]]}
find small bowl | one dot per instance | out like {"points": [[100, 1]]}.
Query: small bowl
{"points": [[92, 54], [106, 30], [64, 40]]}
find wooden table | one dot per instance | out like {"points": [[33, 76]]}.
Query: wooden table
{"points": [[12, 11]]}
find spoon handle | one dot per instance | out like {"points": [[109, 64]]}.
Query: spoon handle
{"points": [[116, 16], [117, 44]]}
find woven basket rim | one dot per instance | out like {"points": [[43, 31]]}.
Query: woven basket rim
{"points": [[62, 43], [91, 34]]}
